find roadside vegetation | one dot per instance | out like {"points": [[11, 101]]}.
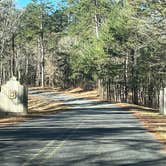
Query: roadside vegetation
{"points": [[117, 46]]}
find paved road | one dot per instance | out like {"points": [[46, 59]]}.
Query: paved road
{"points": [[90, 134]]}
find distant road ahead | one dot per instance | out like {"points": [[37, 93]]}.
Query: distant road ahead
{"points": [[91, 133]]}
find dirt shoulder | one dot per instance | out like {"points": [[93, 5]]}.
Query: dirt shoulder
{"points": [[37, 107], [11, 120], [41, 105]]}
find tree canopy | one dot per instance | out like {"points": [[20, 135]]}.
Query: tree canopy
{"points": [[117, 46]]}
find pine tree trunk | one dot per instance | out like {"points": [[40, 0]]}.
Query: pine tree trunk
{"points": [[134, 78], [1, 73], [13, 62], [126, 77], [42, 48], [96, 21], [42, 61]]}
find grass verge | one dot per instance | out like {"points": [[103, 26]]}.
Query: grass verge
{"points": [[37, 107], [151, 119]]}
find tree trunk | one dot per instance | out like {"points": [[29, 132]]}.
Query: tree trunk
{"points": [[1, 73], [96, 21], [134, 78], [42, 47], [42, 61], [13, 62], [126, 77]]}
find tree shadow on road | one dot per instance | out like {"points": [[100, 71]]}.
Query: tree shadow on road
{"points": [[98, 133]]}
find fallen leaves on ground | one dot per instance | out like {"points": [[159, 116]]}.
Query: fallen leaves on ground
{"points": [[151, 119], [36, 106], [155, 123], [79, 92], [43, 105], [11, 120]]}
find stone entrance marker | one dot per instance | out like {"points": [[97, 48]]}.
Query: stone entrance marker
{"points": [[13, 98], [163, 101]]}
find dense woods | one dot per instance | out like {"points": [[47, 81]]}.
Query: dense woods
{"points": [[116, 46]]}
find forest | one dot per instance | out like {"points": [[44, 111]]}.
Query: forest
{"points": [[116, 46]]}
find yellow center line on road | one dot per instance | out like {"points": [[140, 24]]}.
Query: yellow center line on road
{"points": [[43, 150], [99, 149], [39, 153], [63, 142], [56, 149]]}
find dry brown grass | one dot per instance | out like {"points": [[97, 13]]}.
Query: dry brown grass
{"points": [[79, 92], [151, 119], [42, 105], [44, 88], [11, 120], [153, 122], [36, 106]]}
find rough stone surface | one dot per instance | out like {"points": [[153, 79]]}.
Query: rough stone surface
{"points": [[13, 98], [164, 109], [163, 101]]}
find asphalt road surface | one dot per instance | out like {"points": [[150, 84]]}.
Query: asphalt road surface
{"points": [[91, 133]]}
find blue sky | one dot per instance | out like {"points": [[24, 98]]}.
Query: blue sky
{"points": [[21, 3]]}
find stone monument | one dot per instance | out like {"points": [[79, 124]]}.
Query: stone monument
{"points": [[13, 98], [163, 101]]}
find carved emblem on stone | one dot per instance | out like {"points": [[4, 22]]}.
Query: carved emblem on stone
{"points": [[12, 94], [13, 98]]}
